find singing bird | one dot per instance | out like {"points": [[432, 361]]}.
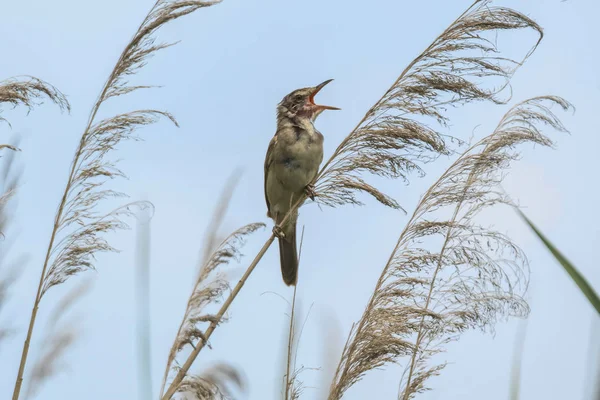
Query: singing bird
{"points": [[291, 165]]}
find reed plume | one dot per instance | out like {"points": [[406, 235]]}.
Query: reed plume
{"points": [[448, 274], [398, 133], [29, 91], [79, 229], [387, 142], [214, 383], [211, 283]]}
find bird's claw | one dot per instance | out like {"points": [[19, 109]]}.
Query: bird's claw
{"points": [[278, 232], [309, 190]]}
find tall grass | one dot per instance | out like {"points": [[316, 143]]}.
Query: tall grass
{"points": [[29, 91], [78, 230], [447, 274]]}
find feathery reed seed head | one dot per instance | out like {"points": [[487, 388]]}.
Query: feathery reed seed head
{"points": [[397, 134], [447, 273]]}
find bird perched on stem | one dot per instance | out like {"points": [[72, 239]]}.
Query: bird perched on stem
{"points": [[291, 165]]}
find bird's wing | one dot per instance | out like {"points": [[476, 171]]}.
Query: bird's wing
{"points": [[268, 161]]}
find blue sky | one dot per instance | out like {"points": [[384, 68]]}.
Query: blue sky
{"points": [[235, 62]]}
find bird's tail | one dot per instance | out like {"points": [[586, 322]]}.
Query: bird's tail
{"points": [[288, 255]]}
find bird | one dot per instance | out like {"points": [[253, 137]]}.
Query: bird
{"points": [[291, 164]]}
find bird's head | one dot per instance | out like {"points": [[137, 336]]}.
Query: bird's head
{"points": [[301, 103]]}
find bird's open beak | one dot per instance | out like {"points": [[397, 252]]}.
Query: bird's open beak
{"points": [[316, 90]]}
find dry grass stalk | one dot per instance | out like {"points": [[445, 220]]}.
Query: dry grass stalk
{"points": [[78, 231], [388, 143], [28, 91], [426, 298], [214, 321], [293, 387], [390, 140], [209, 288]]}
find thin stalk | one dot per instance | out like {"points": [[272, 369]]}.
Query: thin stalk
{"points": [[288, 382], [213, 325], [57, 220], [210, 245], [211, 328]]}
